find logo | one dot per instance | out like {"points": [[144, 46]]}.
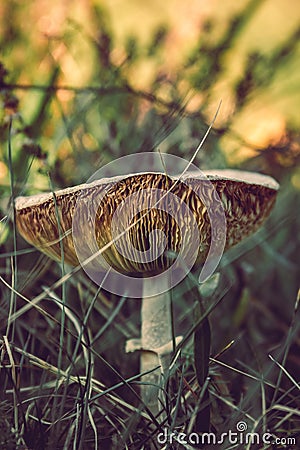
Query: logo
{"points": [[106, 240]]}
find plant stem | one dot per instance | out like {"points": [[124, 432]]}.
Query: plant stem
{"points": [[202, 339], [156, 332]]}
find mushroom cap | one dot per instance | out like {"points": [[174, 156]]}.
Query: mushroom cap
{"points": [[246, 199]]}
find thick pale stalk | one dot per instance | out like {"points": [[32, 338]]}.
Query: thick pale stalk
{"points": [[156, 332]]}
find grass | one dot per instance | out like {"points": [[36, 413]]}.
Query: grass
{"points": [[67, 383], [65, 379]]}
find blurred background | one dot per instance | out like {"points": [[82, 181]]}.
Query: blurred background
{"points": [[122, 62], [83, 83]]}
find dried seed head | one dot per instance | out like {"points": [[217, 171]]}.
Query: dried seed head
{"points": [[246, 198]]}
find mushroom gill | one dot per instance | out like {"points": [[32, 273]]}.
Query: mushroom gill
{"points": [[45, 219]]}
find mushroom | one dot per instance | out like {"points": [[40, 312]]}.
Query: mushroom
{"points": [[81, 222]]}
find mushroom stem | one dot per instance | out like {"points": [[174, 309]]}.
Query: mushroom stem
{"points": [[156, 332]]}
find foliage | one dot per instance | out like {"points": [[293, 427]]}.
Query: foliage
{"points": [[74, 97]]}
